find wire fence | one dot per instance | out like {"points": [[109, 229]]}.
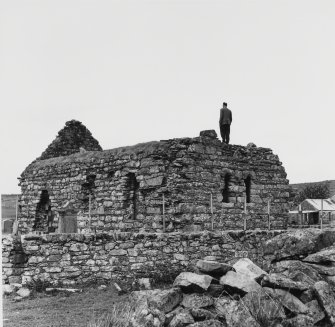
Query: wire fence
{"points": [[267, 224]]}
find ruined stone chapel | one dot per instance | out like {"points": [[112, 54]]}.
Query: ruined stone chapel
{"points": [[171, 185]]}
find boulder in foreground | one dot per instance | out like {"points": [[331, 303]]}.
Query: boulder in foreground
{"points": [[295, 244], [324, 257], [326, 298], [240, 282], [280, 281], [247, 267], [197, 301], [287, 299], [234, 312], [189, 280], [165, 300], [213, 268]]}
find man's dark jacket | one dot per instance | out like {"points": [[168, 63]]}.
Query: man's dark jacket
{"points": [[225, 117]]}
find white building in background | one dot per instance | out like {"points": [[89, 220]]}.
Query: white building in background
{"points": [[310, 211]]}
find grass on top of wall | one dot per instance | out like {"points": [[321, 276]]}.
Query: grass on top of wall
{"points": [[147, 147]]}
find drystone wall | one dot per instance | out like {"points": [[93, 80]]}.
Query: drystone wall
{"points": [[78, 258], [69, 140], [122, 189]]}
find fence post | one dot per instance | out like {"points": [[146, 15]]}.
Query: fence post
{"points": [[212, 218], [321, 213], [269, 222], [163, 200], [300, 214], [330, 219], [89, 212], [245, 214], [16, 224]]}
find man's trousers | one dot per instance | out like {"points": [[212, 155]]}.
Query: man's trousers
{"points": [[225, 132]]}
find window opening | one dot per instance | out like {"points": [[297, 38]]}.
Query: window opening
{"points": [[247, 183], [111, 174], [88, 187], [43, 216], [226, 191], [132, 189]]}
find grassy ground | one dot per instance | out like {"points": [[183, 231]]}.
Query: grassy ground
{"points": [[60, 310]]}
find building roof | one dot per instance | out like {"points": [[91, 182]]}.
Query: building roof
{"points": [[328, 204], [314, 205]]}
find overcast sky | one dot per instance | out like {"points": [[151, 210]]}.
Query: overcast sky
{"points": [[137, 71]]}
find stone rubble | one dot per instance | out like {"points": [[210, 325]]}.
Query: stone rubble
{"points": [[189, 279], [296, 291], [277, 300], [213, 268], [246, 267]]}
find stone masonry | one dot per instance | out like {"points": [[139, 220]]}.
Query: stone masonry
{"points": [[77, 258], [122, 189], [69, 140]]}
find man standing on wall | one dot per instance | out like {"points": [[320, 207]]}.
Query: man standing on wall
{"points": [[225, 120]]}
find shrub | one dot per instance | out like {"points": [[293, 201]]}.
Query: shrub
{"points": [[38, 285], [312, 191]]}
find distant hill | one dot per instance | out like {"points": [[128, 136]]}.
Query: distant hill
{"points": [[8, 206], [300, 186]]}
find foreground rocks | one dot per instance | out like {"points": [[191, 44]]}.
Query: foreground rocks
{"points": [[192, 280], [326, 296], [299, 243], [16, 290], [296, 292]]}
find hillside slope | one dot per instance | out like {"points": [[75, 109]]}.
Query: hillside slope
{"points": [[300, 186]]}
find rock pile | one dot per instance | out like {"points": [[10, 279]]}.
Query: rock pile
{"points": [[294, 293]]}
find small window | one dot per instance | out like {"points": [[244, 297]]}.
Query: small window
{"points": [[226, 189], [132, 189], [247, 183], [43, 213], [87, 188], [111, 174]]}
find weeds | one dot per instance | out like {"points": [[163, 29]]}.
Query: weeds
{"points": [[38, 285], [120, 315], [162, 274], [266, 310], [262, 307]]}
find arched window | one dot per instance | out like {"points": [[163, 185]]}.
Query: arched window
{"points": [[226, 191], [247, 183]]}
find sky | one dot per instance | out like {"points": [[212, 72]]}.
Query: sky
{"points": [[138, 71]]}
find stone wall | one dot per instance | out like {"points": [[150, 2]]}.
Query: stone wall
{"points": [[69, 140], [122, 189], [75, 258]]}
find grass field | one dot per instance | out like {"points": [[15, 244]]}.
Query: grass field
{"points": [[60, 310]]}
